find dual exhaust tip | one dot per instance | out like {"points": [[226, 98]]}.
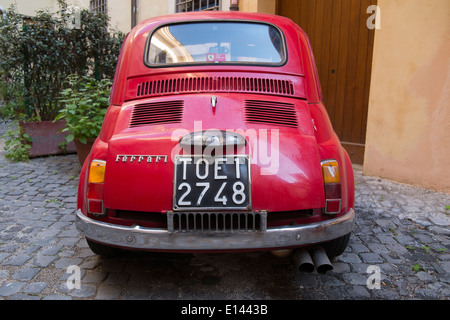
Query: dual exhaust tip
{"points": [[308, 259]]}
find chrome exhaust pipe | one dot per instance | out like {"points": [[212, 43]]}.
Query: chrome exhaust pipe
{"points": [[303, 261], [320, 259]]}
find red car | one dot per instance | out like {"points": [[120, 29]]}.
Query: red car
{"points": [[216, 139]]}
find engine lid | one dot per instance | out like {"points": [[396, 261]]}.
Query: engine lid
{"points": [[284, 174]]}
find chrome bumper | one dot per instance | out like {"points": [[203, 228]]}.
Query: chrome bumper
{"points": [[158, 239]]}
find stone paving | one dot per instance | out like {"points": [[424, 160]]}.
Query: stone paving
{"points": [[401, 238]]}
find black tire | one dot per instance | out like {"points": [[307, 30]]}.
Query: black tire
{"points": [[337, 246], [103, 250]]}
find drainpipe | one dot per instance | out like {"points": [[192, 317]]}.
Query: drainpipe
{"points": [[133, 13], [234, 5]]}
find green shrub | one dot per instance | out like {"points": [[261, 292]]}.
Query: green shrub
{"points": [[37, 54], [85, 103], [17, 144]]}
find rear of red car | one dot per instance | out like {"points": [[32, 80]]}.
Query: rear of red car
{"points": [[216, 139]]}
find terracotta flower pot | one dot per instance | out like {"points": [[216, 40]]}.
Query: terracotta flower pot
{"points": [[83, 149], [46, 136]]}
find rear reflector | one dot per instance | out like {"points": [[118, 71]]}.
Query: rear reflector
{"points": [[95, 206], [332, 206]]}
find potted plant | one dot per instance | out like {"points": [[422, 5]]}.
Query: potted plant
{"points": [[85, 102], [37, 53]]}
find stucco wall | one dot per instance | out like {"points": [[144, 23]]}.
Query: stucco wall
{"points": [[149, 9], [118, 10], [29, 7], [265, 6], [120, 14], [408, 131]]}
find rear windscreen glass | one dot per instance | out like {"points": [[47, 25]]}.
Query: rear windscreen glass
{"points": [[216, 43]]}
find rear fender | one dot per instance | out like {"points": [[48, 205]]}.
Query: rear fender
{"points": [[331, 148], [99, 152]]}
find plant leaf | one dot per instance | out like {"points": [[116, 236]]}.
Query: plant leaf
{"points": [[70, 137]]}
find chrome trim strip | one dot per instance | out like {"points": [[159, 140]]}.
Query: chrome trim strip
{"points": [[333, 212], [159, 239]]}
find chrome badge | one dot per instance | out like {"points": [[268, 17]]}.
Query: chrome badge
{"points": [[141, 158]]}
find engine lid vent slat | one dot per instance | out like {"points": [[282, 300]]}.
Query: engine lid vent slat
{"points": [[269, 112], [208, 84], [157, 113]]}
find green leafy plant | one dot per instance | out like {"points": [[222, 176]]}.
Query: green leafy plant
{"points": [[12, 99], [37, 54], [425, 248], [17, 144], [85, 103], [417, 267]]}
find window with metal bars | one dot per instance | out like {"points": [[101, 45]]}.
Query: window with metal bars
{"points": [[196, 5], [100, 6]]}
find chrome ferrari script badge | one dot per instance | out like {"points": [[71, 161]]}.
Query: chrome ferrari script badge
{"points": [[140, 158]]}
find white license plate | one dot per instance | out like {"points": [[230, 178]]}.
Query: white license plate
{"points": [[212, 183]]}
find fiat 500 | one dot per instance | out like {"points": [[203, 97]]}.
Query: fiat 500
{"points": [[216, 139]]}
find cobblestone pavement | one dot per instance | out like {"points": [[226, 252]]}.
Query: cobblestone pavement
{"points": [[402, 234]]}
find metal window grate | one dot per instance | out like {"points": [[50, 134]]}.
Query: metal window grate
{"points": [[197, 5], [100, 6]]}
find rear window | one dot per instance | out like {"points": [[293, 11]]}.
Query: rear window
{"points": [[216, 43]]}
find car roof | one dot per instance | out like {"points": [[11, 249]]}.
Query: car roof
{"points": [[300, 61]]}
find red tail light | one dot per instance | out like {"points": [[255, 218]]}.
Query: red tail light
{"points": [[332, 182], [95, 188]]}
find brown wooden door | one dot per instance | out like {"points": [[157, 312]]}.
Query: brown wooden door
{"points": [[343, 47]]}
